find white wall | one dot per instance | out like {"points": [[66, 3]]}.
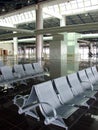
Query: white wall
{"points": [[7, 46]]}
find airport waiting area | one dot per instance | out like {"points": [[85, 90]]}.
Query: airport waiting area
{"points": [[48, 64], [34, 97]]}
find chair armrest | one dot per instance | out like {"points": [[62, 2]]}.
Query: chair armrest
{"points": [[52, 108], [29, 107], [20, 97], [48, 119], [91, 85]]}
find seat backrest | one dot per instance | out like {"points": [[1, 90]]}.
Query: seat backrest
{"points": [[38, 68], [83, 78], [46, 93], [29, 69], [95, 72], [90, 75], [31, 98], [75, 84], [19, 69], [7, 72], [63, 89]]}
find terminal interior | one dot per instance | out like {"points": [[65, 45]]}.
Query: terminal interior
{"points": [[60, 35]]}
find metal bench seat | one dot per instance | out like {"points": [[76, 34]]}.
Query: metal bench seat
{"points": [[39, 71], [55, 109], [8, 77], [38, 68], [85, 82], [51, 107], [78, 89], [7, 72], [64, 91], [25, 73], [18, 68], [29, 70], [95, 72], [91, 77]]}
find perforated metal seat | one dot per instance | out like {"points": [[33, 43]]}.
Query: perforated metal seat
{"points": [[39, 71], [85, 82], [29, 69], [95, 72], [90, 75], [19, 70], [8, 77], [78, 89], [51, 107], [7, 73], [38, 68], [65, 92]]}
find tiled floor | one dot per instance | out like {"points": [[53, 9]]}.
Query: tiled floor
{"points": [[11, 120]]}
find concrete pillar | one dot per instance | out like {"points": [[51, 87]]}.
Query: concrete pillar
{"points": [[15, 45], [57, 56], [91, 46], [39, 38], [72, 51], [72, 45], [57, 47], [63, 21]]}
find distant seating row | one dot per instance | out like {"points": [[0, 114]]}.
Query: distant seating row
{"points": [[61, 98], [20, 72]]}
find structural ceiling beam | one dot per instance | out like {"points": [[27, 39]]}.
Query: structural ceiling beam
{"points": [[52, 31], [11, 35], [15, 29], [69, 28]]}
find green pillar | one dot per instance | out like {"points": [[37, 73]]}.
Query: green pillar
{"points": [[72, 45], [72, 52]]}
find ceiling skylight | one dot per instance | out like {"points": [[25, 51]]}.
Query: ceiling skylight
{"points": [[57, 10]]}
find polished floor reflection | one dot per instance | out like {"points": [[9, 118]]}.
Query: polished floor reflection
{"points": [[9, 117]]}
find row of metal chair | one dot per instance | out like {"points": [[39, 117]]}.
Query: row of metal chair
{"points": [[61, 98], [20, 72]]}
